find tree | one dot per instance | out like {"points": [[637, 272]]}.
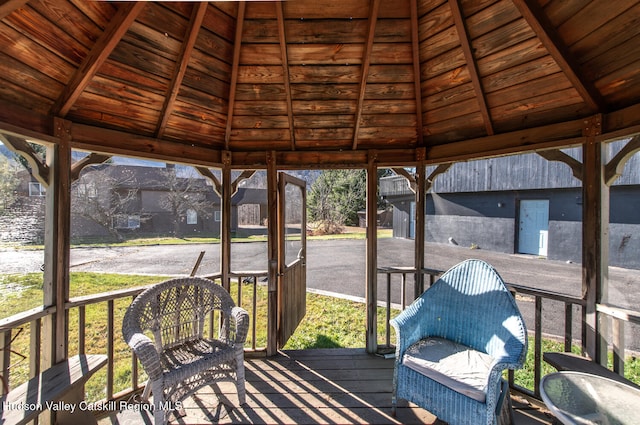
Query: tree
{"points": [[336, 196], [8, 184], [102, 196], [183, 194], [335, 199]]}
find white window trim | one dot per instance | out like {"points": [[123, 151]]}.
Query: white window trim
{"points": [[36, 189], [192, 216]]}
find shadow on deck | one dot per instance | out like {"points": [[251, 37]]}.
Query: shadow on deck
{"points": [[323, 386]]}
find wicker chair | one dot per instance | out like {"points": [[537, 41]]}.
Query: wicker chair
{"points": [[165, 326], [453, 343]]}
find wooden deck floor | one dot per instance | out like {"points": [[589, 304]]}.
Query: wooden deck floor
{"points": [[334, 386]]}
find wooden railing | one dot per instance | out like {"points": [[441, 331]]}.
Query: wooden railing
{"points": [[402, 272], [250, 278], [10, 327], [619, 316], [114, 303], [540, 297], [115, 300]]}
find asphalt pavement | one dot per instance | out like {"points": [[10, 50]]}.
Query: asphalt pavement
{"points": [[338, 266]]}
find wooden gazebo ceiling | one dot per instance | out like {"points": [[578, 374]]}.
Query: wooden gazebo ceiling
{"points": [[320, 82]]}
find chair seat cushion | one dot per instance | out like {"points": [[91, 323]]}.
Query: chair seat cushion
{"points": [[453, 365]]}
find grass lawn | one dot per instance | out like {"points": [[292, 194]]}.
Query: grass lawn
{"points": [[347, 233], [329, 323]]}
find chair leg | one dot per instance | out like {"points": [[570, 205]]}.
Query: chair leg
{"points": [[240, 378], [159, 415], [504, 410], [146, 391]]}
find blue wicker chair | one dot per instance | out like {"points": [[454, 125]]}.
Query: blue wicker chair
{"points": [[454, 342]]}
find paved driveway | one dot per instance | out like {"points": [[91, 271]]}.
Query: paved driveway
{"points": [[338, 266]]}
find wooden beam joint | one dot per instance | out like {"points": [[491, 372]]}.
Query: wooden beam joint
{"points": [[592, 126]]}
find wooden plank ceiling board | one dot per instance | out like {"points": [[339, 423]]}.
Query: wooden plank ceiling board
{"points": [[324, 82]]}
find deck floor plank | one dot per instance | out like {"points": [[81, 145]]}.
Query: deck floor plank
{"points": [[332, 386]]}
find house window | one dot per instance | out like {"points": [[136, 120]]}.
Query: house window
{"points": [[87, 190], [217, 216], [127, 222], [192, 216], [36, 189]]}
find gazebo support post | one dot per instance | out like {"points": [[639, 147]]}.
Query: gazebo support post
{"points": [[595, 235], [57, 244], [372, 255], [225, 224], [421, 199], [272, 248], [55, 331]]}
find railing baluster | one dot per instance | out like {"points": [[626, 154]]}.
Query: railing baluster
{"points": [[403, 292], [388, 316], [134, 368], [583, 348], [617, 334], [568, 326], [239, 291], [538, 347], [110, 347], [81, 327], [5, 360], [254, 313], [34, 348]]}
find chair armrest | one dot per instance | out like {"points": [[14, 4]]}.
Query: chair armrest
{"points": [[410, 326], [241, 319], [495, 375], [146, 351]]}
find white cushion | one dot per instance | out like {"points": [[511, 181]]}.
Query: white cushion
{"points": [[453, 365]]}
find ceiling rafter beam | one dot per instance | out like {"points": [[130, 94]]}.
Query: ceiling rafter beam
{"points": [[285, 69], [415, 47], [535, 17], [234, 72], [197, 16], [111, 36], [8, 6], [472, 66], [366, 61]]}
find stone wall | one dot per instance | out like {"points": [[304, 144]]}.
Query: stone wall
{"points": [[23, 222]]}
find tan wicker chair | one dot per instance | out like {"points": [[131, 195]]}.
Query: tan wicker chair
{"points": [[165, 327]]}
